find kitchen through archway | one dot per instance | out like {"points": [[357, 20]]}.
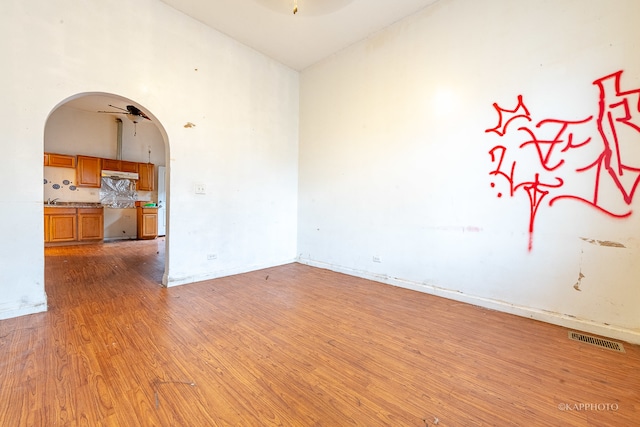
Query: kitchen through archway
{"points": [[104, 157]]}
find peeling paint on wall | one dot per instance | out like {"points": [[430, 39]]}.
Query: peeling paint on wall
{"points": [[579, 282], [189, 125], [607, 243]]}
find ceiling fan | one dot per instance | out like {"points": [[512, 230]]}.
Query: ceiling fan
{"points": [[134, 113]]}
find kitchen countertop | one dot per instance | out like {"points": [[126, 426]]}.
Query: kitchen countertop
{"points": [[73, 205]]}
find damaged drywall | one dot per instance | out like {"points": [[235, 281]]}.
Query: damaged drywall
{"points": [[607, 243]]}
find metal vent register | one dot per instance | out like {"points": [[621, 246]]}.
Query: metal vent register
{"points": [[600, 342]]}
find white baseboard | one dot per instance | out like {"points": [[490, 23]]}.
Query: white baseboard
{"points": [[119, 238], [567, 321], [8, 313], [170, 281]]}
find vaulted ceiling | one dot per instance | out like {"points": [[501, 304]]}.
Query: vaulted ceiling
{"points": [[319, 28]]}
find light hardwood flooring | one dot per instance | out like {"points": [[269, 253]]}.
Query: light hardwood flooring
{"points": [[289, 346]]}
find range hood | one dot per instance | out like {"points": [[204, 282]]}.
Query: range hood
{"points": [[119, 174]]}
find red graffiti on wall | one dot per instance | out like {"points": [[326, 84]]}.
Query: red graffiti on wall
{"points": [[552, 159]]}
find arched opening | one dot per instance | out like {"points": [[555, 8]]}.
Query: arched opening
{"points": [[87, 134]]}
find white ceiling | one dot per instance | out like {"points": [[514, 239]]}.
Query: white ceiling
{"points": [[94, 102], [319, 29], [108, 104]]}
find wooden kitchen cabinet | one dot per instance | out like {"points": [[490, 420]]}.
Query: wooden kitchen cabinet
{"points": [[119, 165], [111, 164], [147, 222], [46, 227], [59, 160], [90, 224], [88, 171], [126, 166], [68, 224], [145, 176], [60, 225]]}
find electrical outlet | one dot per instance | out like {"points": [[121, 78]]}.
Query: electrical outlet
{"points": [[200, 189], [212, 256], [376, 258]]}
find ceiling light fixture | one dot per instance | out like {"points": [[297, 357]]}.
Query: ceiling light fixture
{"points": [[309, 9], [135, 119]]}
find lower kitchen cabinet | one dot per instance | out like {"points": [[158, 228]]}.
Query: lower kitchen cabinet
{"points": [[60, 225], [147, 219], [90, 224], [68, 225]]}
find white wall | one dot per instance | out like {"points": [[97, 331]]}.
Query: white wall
{"points": [[243, 147], [394, 160], [393, 151]]}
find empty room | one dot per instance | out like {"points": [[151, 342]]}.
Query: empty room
{"points": [[320, 213]]}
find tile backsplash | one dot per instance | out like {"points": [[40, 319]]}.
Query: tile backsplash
{"points": [[59, 183]]}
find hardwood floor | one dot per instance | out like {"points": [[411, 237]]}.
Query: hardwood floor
{"points": [[289, 346]]}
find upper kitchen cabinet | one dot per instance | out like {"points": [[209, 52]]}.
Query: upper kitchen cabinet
{"points": [[59, 160], [111, 164], [145, 176], [126, 166], [119, 165], [88, 171]]}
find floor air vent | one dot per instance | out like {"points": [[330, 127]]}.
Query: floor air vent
{"points": [[600, 342]]}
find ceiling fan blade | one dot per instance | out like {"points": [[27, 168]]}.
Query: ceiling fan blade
{"points": [[119, 108], [137, 112], [112, 112], [131, 110]]}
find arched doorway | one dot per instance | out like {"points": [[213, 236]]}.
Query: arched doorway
{"points": [[120, 133]]}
